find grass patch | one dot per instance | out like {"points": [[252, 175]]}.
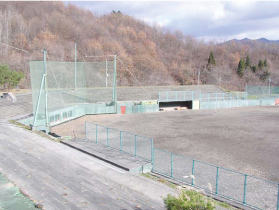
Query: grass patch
{"points": [[185, 188], [189, 200], [164, 181]]}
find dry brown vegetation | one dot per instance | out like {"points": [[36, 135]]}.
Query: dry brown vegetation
{"points": [[155, 55]]}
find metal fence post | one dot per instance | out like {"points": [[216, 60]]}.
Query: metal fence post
{"points": [[171, 164], [193, 171], [244, 193], [85, 131], [121, 141], [96, 134], [135, 145], [107, 137], [217, 180]]}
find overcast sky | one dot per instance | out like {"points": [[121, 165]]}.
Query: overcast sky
{"points": [[208, 20]]}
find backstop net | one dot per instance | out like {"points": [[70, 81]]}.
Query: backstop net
{"points": [[62, 91]]}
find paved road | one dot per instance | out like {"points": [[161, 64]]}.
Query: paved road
{"points": [[59, 177]]}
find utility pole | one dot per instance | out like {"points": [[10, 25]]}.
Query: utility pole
{"points": [[75, 65], [46, 98], [269, 84], [199, 78], [106, 73]]}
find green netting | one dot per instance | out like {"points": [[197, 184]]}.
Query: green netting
{"points": [[262, 91], [61, 90]]}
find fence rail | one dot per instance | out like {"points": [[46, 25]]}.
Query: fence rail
{"points": [[169, 96], [242, 188], [136, 145]]}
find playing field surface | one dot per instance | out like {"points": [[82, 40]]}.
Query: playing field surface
{"points": [[243, 139]]}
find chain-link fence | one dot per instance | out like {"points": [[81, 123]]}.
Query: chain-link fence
{"points": [[242, 188], [169, 96], [256, 92], [138, 146]]}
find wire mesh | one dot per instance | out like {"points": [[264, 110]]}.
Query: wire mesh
{"points": [[231, 184], [38, 92], [179, 96], [128, 143], [102, 135], [90, 131], [69, 84], [261, 193], [114, 138], [143, 147], [182, 168], [162, 162], [205, 176]]}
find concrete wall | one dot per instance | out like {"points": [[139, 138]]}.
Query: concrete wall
{"points": [[62, 115], [137, 107], [196, 104], [235, 103]]}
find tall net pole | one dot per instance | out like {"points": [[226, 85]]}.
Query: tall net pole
{"points": [[75, 66], [46, 103]]}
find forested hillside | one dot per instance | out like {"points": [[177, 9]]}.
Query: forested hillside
{"points": [[156, 56]]}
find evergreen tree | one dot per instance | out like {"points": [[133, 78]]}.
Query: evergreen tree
{"points": [[265, 63], [241, 67], [248, 62], [254, 68], [264, 75], [8, 77], [261, 64], [211, 59]]}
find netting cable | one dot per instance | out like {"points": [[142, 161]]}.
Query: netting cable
{"points": [[133, 76]]}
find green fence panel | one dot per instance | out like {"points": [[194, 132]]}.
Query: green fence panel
{"points": [[261, 193], [162, 162], [102, 137], [231, 184], [114, 138], [143, 147], [182, 168], [128, 143]]}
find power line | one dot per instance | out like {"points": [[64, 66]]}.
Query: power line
{"points": [[15, 47]]}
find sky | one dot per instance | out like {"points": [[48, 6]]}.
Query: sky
{"points": [[207, 20]]}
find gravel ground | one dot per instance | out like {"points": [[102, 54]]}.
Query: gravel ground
{"points": [[243, 139]]}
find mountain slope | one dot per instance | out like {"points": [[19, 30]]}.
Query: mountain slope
{"points": [[155, 55]]}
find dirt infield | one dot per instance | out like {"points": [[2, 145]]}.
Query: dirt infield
{"points": [[242, 139]]}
